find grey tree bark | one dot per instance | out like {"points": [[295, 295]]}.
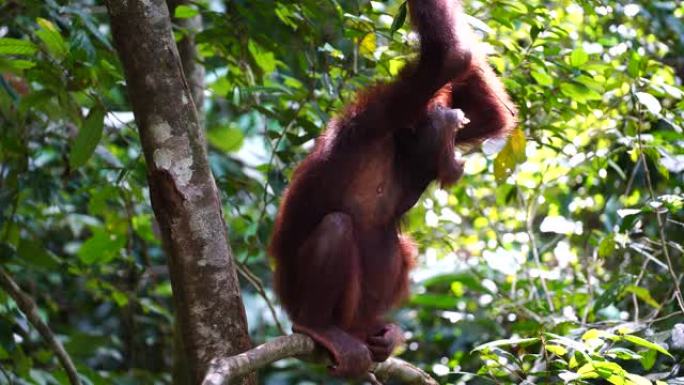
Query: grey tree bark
{"points": [[194, 74], [184, 196], [223, 369]]}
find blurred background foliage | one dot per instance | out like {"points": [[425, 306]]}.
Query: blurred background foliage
{"points": [[557, 258]]}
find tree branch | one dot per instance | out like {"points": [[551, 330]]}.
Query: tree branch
{"points": [[30, 310], [222, 370]]}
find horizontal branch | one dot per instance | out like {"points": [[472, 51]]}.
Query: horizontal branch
{"points": [[222, 370]]}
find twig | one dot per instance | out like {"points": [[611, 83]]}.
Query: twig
{"points": [[10, 379], [517, 306], [271, 162], [544, 248], [642, 272], [259, 287], [531, 211], [30, 310], [665, 317], [223, 369], [632, 176], [588, 267], [671, 294], [661, 223]]}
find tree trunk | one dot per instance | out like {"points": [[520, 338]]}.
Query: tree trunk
{"points": [[184, 196], [194, 74]]}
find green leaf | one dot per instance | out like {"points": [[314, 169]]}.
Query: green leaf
{"points": [[395, 66], [635, 379], [578, 57], [513, 153], [101, 248], [435, 300], [648, 359], [227, 139], [542, 77], [17, 64], [400, 19], [517, 6], [164, 289], [288, 15], [646, 344], [613, 292], [518, 143], [120, 298], [643, 294], [634, 65], [506, 342], [610, 371], [556, 349], [51, 38], [263, 58], [332, 51], [504, 164], [11, 46], [468, 280], [629, 220], [650, 102], [623, 354], [590, 82], [594, 334], [184, 11], [607, 246], [368, 45], [656, 157], [458, 288], [579, 92], [33, 252], [88, 137]]}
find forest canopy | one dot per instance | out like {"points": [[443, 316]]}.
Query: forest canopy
{"points": [[557, 258]]}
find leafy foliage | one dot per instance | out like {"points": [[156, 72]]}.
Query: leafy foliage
{"points": [[559, 254]]}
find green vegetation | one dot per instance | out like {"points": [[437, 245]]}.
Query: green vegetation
{"points": [[557, 259]]}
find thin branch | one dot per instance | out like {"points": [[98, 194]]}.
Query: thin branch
{"points": [[529, 222], [515, 305], [665, 317], [588, 266], [30, 310], [630, 182], [10, 378], [223, 369], [271, 162], [635, 301], [187, 49], [659, 218], [669, 297], [259, 287], [547, 247]]}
